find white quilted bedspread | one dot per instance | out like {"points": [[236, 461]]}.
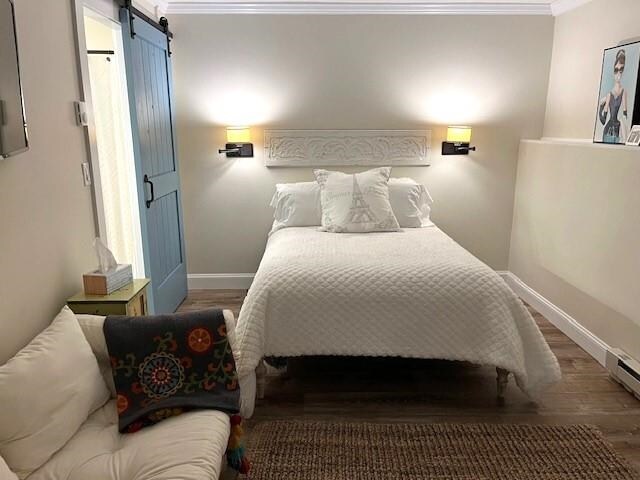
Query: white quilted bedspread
{"points": [[413, 293]]}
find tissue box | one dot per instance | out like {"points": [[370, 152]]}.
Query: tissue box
{"points": [[104, 283]]}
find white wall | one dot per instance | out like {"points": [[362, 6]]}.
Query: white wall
{"points": [[353, 72], [575, 236], [580, 38], [45, 212], [575, 230]]}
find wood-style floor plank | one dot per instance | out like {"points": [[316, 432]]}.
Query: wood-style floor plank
{"points": [[427, 391]]}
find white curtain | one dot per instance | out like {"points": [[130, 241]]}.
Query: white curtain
{"points": [[116, 164]]}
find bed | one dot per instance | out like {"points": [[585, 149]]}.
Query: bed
{"points": [[413, 293]]}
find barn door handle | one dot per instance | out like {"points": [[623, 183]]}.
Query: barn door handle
{"points": [[153, 196]]}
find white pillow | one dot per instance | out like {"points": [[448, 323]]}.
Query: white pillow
{"points": [[296, 205], [5, 473], [46, 392], [356, 203], [411, 203]]}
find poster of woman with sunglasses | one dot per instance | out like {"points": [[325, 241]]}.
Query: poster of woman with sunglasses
{"points": [[618, 90]]}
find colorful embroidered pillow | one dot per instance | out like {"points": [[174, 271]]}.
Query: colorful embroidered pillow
{"points": [[356, 203], [166, 364]]}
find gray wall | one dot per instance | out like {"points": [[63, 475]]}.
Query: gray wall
{"points": [[354, 72], [46, 216]]}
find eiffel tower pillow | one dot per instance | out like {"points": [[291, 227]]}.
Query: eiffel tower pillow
{"points": [[356, 203]]}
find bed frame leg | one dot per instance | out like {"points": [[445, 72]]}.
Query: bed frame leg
{"points": [[261, 379], [502, 381]]}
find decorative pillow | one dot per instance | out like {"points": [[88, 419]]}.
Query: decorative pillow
{"points": [[46, 392], [296, 205], [411, 203], [164, 365], [356, 203]]}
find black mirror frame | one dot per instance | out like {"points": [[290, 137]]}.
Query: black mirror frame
{"points": [[24, 116]]}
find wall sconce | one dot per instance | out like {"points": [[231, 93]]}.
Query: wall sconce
{"points": [[238, 142], [458, 141]]}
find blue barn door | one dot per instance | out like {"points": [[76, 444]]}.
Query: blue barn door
{"points": [[148, 65]]}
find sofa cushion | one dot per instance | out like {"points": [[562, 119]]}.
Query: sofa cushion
{"points": [[46, 392], [5, 473], [189, 446]]}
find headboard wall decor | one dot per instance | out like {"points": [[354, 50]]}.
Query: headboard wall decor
{"points": [[324, 148]]}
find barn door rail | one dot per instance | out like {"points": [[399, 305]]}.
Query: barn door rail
{"points": [[135, 14]]}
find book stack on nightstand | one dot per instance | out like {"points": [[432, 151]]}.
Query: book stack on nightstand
{"points": [[130, 300]]}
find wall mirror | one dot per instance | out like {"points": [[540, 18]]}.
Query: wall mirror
{"points": [[13, 126]]}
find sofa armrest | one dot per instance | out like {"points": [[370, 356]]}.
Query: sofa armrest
{"points": [[92, 328], [248, 382], [5, 472]]}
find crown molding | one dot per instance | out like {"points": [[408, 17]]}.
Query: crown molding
{"points": [[558, 7], [157, 8], [321, 7]]}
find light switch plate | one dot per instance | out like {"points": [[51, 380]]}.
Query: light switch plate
{"points": [[86, 174], [81, 113]]}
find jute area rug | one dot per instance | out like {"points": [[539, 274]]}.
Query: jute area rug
{"points": [[291, 450]]}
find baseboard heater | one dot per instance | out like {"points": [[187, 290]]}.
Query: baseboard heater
{"points": [[625, 370]]}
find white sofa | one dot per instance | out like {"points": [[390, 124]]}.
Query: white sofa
{"points": [[189, 446]]}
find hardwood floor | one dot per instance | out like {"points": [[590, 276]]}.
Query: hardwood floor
{"points": [[426, 391]]}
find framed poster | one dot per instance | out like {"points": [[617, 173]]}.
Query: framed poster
{"points": [[619, 94]]}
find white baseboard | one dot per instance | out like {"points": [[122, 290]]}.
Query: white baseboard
{"points": [[568, 325], [220, 281]]}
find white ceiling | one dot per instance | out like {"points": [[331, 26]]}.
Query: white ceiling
{"points": [[434, 7]]}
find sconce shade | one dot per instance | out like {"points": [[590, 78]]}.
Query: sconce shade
{"points": [[238, 135], [458, 141], [459, 134], [238, 143]]}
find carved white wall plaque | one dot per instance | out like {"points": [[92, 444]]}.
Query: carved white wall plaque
{"points": [[324, 148]]}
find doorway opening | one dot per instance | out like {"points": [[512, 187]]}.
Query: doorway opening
{"points": [[114, 174]]}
